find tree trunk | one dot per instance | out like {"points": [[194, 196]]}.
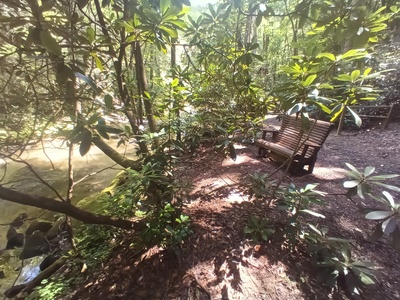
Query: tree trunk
{"points": [[142, 85], [67, 209], [176, 104]]}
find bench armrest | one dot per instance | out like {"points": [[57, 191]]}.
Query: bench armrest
{"points": [[311, 144], [308, 144]]}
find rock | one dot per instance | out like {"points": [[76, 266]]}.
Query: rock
{"points": [[14, 239], [11, 232], [19, 221], [43, 226], [15, 242], [14, 291], [48, 261], [56, 229], [35, 244], [2, 275]]}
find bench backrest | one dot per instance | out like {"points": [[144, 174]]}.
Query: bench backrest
{"points": [[292, 131]]}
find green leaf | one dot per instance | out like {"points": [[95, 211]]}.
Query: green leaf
{"points": [[50, 43], [389, 225], [354, 75], [108, 101], [383, 177], [315, 229], [295, 109], [93, 119], [315, 214], [344, 77], [264, 236], [86, 142], [164, 5], [369, 170], [102, 132], [378, 215], [88, 80], [98, 62], [329, 56], [356, 118], [309, 80], [248, 230], [389, 198], [387, 186], [90, 35], [354, 53], [350, 184], [169, 31], [175, 82], [366, 279], [351, 167]]}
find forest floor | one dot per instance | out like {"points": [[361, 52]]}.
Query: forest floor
{"points": [[219, 262]]}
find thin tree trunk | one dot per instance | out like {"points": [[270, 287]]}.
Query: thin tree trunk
{"points": [[142, 84], [176, 104]]}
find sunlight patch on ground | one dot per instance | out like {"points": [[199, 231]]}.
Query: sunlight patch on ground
{"points": [[329, 173], [240, 159], [236, 197]]}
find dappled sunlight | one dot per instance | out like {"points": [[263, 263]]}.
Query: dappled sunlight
{"points": [[236, 197], [329, 173]]}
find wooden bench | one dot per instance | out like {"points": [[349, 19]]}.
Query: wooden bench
{"points": [[292, 139]]}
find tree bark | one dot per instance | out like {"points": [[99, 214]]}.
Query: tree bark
{"points": [[67, 209], [115, 156], [142, 85]]}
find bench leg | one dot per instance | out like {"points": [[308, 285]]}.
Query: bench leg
{"points": [[262, 152]]}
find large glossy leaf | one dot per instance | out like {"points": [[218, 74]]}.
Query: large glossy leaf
{"points": [[356, 118], [350, 184], [354, 170], [309, 80], [388, 186], [86, 142], [389, 225], [383, 177], [329, 56], [164, 5], [366, 279], [88, 80], [389, 198], [378, 215], [108, 101], [313, 213], [369, 170]]}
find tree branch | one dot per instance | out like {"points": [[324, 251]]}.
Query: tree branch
{"points": [[67, 209]]}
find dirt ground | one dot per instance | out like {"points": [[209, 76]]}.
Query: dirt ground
{"points": [[219, 262]]}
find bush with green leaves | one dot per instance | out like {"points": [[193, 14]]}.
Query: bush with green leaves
{"points": [[332, 255], [168, 228], [258, 229], [387, 216]]}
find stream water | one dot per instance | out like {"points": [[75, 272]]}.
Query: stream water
{"points": [[17, 176]]}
